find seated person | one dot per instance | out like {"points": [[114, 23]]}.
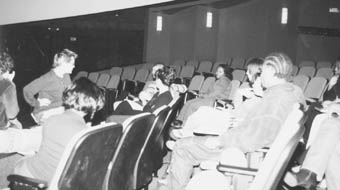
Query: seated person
{"points": [[219, 90], [331, 94], [244, 99], [82, 98], [148, 85], [51, 85], [323, 156], [258, 129], [9, 107], [163, 96]]}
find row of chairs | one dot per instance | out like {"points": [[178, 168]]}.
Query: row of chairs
{"points": [[313, 88], [316, 64], [111, 156], [310, 71]]}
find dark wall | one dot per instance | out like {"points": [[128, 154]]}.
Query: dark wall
{"points": [[318, 47], [246, 30]]}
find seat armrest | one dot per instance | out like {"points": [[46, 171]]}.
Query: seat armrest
{"points": [[236, 170], [18, 180]]}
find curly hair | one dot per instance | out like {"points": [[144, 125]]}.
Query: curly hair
{"points": [[167, 75], [65, 54], [6, 62], [84, 95]]}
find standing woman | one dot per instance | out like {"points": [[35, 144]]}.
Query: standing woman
{"points": [[219, 90], [51, 85]]}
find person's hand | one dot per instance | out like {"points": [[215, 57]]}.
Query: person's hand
{"points": [[333, 81], [213, 142], [257, 88], [44, 101]]}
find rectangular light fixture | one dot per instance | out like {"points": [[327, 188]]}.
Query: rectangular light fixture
{"points": [[159, 23], [284, 15], [334, 10], [209, 19]]}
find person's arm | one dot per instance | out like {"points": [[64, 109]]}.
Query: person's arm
{"points": [[32, 89], [259, 132], [221, 89], [10, 102], [163, 99]]}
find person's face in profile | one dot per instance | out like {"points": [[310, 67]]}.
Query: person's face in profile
{"points": [[336, 68], [68, 66], [219, 72], [267, 75]]}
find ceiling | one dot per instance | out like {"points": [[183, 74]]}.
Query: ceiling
{"points": [[127, 19]]}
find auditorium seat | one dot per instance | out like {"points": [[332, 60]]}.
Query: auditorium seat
{"points": [[239, 74], [204, 66], [323, 64], [308, 63], [123, 169], [235, 84], [301, 81], [80, 74], [315, 88], [116, 71], [93, 76], [325, 72], [89, 152], [103, 79], [307, 70], [237, 63]]}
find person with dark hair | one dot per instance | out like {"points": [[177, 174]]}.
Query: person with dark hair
{"points": [[333, 89], [258, 128], [246, 97], [80, 99], [9, 107], [164, 78], [219, 90], [51, 85]]}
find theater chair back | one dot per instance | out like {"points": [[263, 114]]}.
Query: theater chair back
{"points": [[84, 163], [121, 171]]}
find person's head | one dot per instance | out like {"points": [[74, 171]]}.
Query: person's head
{"points": [[65, 59], [155, 68], [166, 75], [84, 96], [224, 70], [277, 68], [336, 66], [6, 65], [254, 69]]}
